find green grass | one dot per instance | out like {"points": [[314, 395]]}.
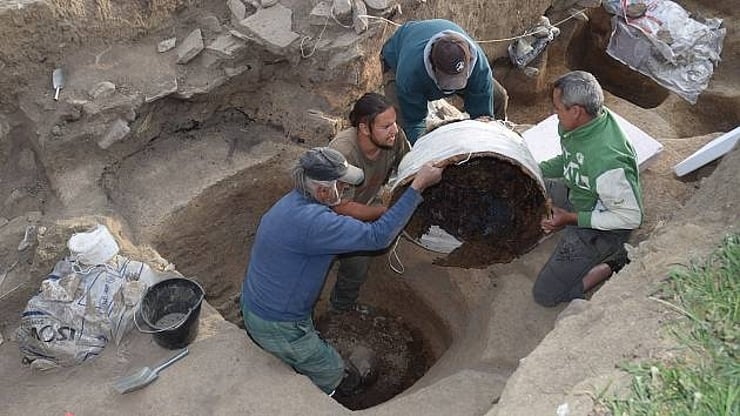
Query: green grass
{"points": [[704, 377]]}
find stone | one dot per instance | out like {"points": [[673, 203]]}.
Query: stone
{"points": [[190, 47], [69, 112], [378, 4], [234, 71], [56, 131], [322, 124], [238, 10], [226, 45], [272, 27], [359, 16], [165, 89], [320, 14], [210, 23], [268, 3], [166, 45], [117, 132], [102, 89], [29, 238], [342, 10]]}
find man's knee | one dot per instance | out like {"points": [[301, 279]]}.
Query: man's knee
{"points": [[543, 296]]}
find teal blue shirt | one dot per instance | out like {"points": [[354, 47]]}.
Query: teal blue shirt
{"points": [[404, 54]]}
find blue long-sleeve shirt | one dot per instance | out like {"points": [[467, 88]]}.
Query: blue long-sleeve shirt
{"points": [[406, 54], [296, 241]]}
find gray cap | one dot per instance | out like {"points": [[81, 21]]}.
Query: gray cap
{"points": [[327, 164]]}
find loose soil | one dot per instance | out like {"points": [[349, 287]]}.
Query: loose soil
{"points": [[401, 355], [196, 190], [490, 205]]}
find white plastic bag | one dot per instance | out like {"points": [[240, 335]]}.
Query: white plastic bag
{"points": [[80, 309], [93, 247]]}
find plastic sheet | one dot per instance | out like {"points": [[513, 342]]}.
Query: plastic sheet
{"points": [[666, 44]]}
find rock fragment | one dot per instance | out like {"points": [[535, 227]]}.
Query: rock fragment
{"points": [[342, 10], [359, 16], [272, 27], [190, 47], [166, 45], [238, 10], [226, 45], [320, 14], [102, 89], [117, 132]]}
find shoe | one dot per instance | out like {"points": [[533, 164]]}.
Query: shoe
{"points": [[359, 372]]}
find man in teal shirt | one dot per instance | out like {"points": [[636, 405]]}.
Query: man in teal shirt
{"points": [[598, 198], [431, 59]]}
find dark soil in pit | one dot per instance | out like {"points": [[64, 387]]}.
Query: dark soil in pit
{"points": [[488, 203], [400, 353]]}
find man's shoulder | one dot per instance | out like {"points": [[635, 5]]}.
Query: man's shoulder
{"points": [[346, 143], [346, 137]]}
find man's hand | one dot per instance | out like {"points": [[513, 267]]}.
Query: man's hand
{"points": [[559, 219], [427, 176]]}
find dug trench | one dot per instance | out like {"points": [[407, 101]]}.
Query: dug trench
{"points": [[424, 323]]}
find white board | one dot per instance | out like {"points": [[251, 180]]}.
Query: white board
{"points": [[709, 152], [544, 142]]}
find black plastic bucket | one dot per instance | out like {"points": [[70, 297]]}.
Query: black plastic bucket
{"points": [[171, 309]]}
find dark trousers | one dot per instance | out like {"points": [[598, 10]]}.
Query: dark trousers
{"points": [[577, 252]]}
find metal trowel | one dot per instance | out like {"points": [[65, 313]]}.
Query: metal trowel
{"points": [[57, 80], [145, 376]]}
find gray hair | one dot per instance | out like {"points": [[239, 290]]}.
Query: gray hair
{"points": [[581, 88]]}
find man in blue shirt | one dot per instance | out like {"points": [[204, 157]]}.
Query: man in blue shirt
{"points": [[431, 59], [296, 241]]}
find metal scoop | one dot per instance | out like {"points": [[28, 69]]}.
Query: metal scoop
{"points": [[57, 80], [146, 375]]}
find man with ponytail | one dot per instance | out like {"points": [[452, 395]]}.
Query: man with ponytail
{"points": [[374, 144]]}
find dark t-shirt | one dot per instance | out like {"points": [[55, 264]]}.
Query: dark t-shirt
{"points": [[376, 171]]}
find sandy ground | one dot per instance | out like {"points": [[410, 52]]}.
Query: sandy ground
{"points": [[482, 325]]}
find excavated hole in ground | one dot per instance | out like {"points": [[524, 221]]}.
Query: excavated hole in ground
{"points": [[210, 239], [407, 336]]}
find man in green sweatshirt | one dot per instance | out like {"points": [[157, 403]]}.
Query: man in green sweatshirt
{"points": [[597, 198]]}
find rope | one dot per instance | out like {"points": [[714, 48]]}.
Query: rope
{"points": [[394, 254], [367, 16], [532, 33], [316, 45]]}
